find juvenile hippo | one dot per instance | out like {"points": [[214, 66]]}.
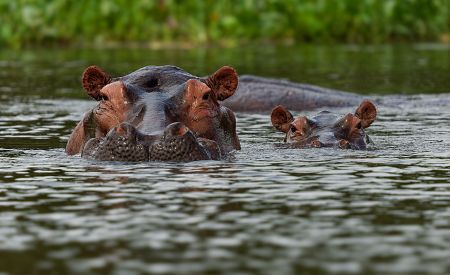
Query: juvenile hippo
{"points": [[139, 111], [326, 129]]}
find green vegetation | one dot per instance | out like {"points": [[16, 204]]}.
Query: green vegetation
{"points": [[232, 22]]}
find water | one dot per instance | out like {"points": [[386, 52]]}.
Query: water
{"points": [[265, 210]]}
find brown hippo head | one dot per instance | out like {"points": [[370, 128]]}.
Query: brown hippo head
{"points": [[326, 129], [154, 97]]}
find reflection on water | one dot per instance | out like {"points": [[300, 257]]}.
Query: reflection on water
{"points": [[362, 69], [264, 210]]}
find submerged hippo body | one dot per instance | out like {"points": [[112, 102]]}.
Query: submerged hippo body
{"points": [[156, 113], [259, 94], [326, 129]]}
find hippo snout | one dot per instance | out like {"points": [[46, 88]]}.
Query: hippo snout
{"points": [[178, 143], [120, 144], [125, 143]]}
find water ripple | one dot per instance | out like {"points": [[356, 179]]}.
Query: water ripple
{"points": [[266, 209]]}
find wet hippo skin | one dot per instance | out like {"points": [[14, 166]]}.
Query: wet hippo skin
{"points": [[125, 143], [151, 98], [260, 94], [149, 101], [326, 129]]}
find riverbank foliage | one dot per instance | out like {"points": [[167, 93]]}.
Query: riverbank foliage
{"points": [[196, 22]]}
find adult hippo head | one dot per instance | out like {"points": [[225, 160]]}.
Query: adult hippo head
{"points": [[326, 129], [139, 106]]}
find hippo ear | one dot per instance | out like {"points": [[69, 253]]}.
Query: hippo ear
{"points": [[281, 118], [94, 79], [223, 82], [367, 112]]}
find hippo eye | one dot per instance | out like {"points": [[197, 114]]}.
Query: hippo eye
{"points": [[293, 129], [104, 97], [359, 125], [152, 83], [206, 96]]}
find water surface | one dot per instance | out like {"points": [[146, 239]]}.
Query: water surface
{"points": [[263, 210]]}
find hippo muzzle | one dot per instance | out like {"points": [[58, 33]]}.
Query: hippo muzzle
{"points": [[126, 143]]}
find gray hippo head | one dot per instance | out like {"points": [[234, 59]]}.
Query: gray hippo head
{"points": [[326, 129], [154, 97]]}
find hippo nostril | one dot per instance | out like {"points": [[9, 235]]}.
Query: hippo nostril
{"points": [[121, 130], [182, 131], [175, 129], [206, 96]]}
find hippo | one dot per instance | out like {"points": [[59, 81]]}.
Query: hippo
{"points": [[261, 94], [326, 129], [156, 113]]}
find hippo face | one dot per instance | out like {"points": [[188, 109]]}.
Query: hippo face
{"points": [[326, 129], [153, 97]]}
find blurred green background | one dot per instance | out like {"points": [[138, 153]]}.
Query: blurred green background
{"points": [[191, 23]]}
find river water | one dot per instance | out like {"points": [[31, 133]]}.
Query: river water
{"points": [[266, 209]]}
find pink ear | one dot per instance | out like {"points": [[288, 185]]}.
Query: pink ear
{"points": [[281, 118], [94, 79], [367, 112], [223, 82]]}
